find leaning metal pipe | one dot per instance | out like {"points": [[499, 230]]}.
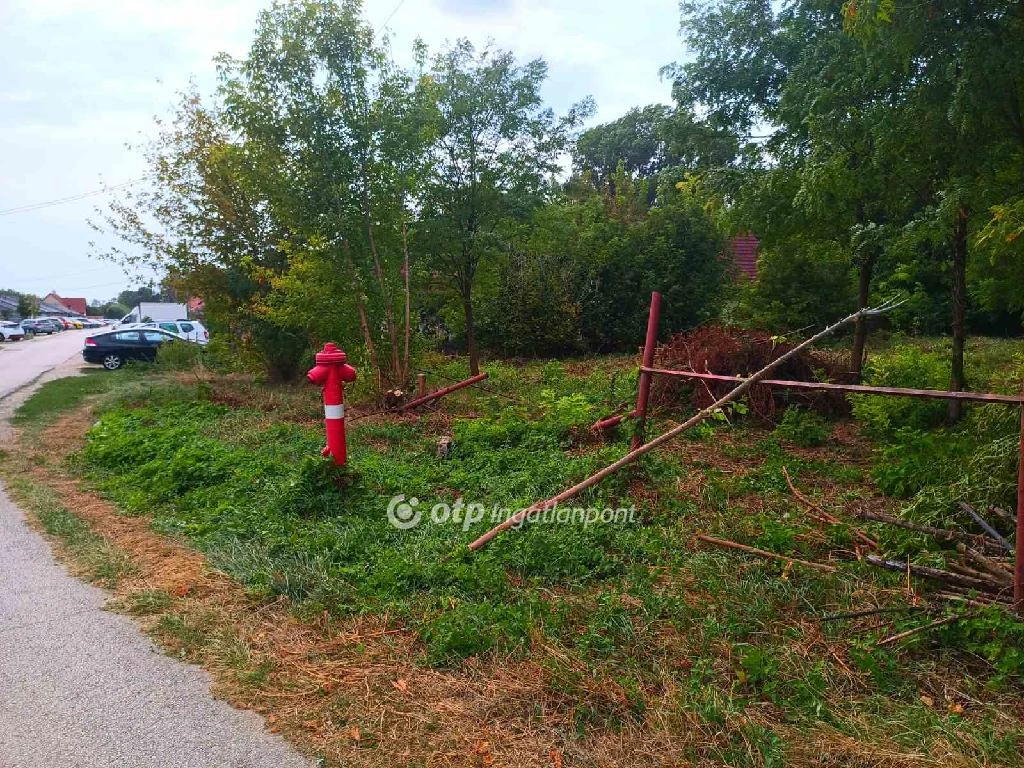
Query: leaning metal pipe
{"points": [[524, 514], [442, 392], [1018, 562]]}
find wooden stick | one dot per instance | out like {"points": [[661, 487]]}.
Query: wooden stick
{"points": [[871, 612], [992, 532], [988, 566], [524, 515], [917, 630], [830, 518], [765, 553], [880, 517], [982, 585]]}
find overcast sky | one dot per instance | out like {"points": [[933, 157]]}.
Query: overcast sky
{"points": [[80, 78]]}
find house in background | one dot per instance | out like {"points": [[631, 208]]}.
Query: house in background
{"points": [[52, 304], [742, 251], [8, 306]]}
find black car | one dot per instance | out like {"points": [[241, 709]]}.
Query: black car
{"points": [[115, 348]]}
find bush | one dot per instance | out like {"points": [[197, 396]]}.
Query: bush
{"points": [[903, 366], [800, 284], [178, 355], [803, 428]]}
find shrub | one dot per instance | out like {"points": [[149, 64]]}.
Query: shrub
{"points": [[178, 355], [904, 366], [804, 428], [800, 283]]}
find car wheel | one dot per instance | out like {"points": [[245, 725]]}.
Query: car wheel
{"points": [[112, 362]]}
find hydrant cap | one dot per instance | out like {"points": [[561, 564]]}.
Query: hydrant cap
{"points": [[330, 355]]}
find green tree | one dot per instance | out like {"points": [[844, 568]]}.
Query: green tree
{"points": [[494, 151], [961, 78]]}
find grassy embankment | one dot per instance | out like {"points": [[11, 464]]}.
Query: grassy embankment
{"points": [[611, 644]]}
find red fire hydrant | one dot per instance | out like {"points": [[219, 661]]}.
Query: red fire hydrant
{"points": [[330, 372]]}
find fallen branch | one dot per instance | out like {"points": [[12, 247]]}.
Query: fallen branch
{"points": [[525, 514], [942, 534], [765, 553], [871, 612], [917, 630], [992, 532], [828, 517], [990, 567], [982, 585]]}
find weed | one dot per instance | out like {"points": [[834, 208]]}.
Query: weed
{"points": [[804, 428]]}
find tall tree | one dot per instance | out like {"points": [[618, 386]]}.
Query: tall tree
{"points": [[495, 150], [962, 80]]}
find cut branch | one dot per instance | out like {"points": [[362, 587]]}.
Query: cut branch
{"points": [[827, 516], [918, 630], [765, 553]]}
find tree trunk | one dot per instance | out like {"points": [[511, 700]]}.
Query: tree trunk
{"points": [[957, 381], [467, 306], [860, 330]]}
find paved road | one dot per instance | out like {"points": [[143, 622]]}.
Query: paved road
{"points": [[23, 361], [84, 688]]}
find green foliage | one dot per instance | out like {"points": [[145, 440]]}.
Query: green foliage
{"points": [[801, 284], [902, 366], [994, 635], [804, 428], [178, 356]]}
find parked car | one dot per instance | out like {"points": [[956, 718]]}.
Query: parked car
{"points": [[114, 348], [190, 330], [31, 329], [47, 325], [11, 331]]}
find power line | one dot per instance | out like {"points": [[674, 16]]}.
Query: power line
{"points": [[392, 14], [70, 199]]}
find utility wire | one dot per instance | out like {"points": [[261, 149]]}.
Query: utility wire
{"points": [[70, 199], [392, 14]]}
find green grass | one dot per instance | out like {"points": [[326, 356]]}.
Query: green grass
{"points": [[102, 562], [632, 609], [64, 395]]}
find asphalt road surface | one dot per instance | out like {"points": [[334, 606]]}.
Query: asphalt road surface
{"points": [[24, 361], [84, 688]]}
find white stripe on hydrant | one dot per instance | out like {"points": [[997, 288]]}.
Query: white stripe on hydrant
{"points": [[334, 411]]}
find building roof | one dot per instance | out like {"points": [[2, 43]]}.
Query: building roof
{"points": [[54, 304], [744, 254], [77, 305]]}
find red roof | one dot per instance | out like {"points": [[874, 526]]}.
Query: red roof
{"points": [[744, 254], [78, 306]]}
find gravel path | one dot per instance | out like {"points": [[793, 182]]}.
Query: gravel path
{"points": [[84, 688]]}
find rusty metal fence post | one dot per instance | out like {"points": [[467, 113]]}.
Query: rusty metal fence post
{"points": [[1018, 558], [644, 388]]}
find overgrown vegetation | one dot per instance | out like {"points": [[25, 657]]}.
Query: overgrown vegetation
{"points": [[632, 622]]}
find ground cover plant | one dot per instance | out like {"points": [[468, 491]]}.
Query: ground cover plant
{"points": [[634, 631]]}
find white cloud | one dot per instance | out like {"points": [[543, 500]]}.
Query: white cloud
{"points": [[80, 78]]}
